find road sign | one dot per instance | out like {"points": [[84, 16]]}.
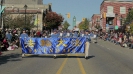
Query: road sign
{"points": [[116, 27], [68, 15]]}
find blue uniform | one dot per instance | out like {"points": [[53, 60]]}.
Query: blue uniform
{"points": [[75, 35], [82, 35], [91, 34], [54, 35], [88, 38], [24, 35]]}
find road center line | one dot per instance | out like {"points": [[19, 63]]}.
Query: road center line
{"points": [[62, 66], [81, 66]]}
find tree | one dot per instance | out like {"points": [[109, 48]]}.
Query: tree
{"points": [[53, 20], [84, 25], [129, 17], [131, 28], [66, 25], [18, 22]]}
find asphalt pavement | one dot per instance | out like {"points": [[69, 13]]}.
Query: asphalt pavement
{"points": [[104, 58]]}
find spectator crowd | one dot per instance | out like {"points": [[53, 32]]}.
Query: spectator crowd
{"points": [[118, 38]]}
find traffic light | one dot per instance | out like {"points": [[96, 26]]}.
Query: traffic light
{"points": [[104, 15], [83, 19], [68, 15]]}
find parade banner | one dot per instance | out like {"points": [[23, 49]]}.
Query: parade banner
{"points": [[52, 45]]}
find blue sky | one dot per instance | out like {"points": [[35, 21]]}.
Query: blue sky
{"points": [[79, 8]]}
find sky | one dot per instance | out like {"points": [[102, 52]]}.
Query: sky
{"points": [[78, 8]]}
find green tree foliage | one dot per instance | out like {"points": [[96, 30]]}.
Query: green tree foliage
{"points": [[131, 28], [129, 21], [53, 20], [18, 22], [129, 17], [66, 25], [84, 25]]}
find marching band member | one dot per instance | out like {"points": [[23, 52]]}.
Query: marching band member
{"points": [[68, 34], [65, 34], [95, 37], [82, 34], [75, 34], [87, 43], [61, 34], [55, 35], [24, 35]]}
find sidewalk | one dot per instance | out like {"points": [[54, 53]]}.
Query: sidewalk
{"points": [[16, 51]]}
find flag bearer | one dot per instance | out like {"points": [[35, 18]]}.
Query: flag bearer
{"points": [[55, 34], [24, 35], [87, 43]]}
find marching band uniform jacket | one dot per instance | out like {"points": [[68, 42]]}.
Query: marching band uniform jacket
{"points": [[88, 38]]}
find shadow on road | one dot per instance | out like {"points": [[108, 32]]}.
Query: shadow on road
{"points": [[37, 56], [9, 57]]}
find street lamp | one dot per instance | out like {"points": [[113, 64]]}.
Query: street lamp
{"points": [[25, 7], [121, 20], [37, 18]]}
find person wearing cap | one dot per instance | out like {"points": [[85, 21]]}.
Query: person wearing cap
{"points": [[87, 43], [75, 34]]}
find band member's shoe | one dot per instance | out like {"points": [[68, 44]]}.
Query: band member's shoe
{"points": [[23, 55], [54, 56]]}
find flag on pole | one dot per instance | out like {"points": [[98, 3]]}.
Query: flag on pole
{"points": [[37, 21]]}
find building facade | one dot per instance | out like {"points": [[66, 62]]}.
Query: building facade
{"points": [[113, 13], [36, 7], [95, 21]]}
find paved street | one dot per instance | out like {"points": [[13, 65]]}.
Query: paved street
{"points": [[105, 58]]}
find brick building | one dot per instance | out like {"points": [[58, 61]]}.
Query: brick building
{"points": [[113, 13], [35, 2], [95, 20], [36, 7]]}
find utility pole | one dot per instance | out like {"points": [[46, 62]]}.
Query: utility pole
{"points": [[37, 18]]}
